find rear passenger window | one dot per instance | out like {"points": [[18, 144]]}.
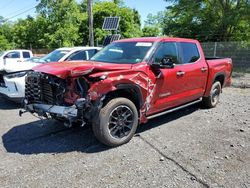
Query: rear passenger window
{"points": [[167, 50], [92, 53], [189, 52], [79, 55], [26, 55]]}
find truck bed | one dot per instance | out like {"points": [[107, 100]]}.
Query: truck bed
{"points": [[218, 67], [218, 62], [213, 58]]}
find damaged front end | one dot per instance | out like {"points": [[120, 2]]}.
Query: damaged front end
{"points": [[48, 96]]}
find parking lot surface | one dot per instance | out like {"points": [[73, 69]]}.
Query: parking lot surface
{"points": [[193, 147]]}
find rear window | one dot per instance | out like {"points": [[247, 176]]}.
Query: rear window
{"points": [[189, 52], [26, 55]]}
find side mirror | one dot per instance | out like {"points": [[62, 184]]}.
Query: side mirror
{"points": [[165, 63], [7, 56]]}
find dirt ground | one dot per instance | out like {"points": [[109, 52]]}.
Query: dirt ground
{"points": [[193, 147]]}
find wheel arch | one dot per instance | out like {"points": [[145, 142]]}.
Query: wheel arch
{"points": [[220, 77], [129, 91]]}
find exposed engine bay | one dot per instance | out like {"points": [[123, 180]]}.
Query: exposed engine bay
{"points": [[51, 96]]}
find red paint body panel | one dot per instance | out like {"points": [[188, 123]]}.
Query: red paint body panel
{"points": [[72, 69], [159, 91], [217, 67], [174, 90]]}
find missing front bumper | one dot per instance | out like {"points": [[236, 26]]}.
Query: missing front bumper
{"points": [[60, 111]]}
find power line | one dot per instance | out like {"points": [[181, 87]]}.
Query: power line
{"points": [[7, 4], [20, 13], [17, 11]]}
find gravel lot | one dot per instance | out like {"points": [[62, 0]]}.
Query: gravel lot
{"points": [[193, 147]]}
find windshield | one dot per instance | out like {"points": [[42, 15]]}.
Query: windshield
{"points": [[54, 56], [123, 52]]}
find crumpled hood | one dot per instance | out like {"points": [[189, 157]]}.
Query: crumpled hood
{"points": [[77, 68]]}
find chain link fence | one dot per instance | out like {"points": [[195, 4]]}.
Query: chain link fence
{"points": [[238, 51]]}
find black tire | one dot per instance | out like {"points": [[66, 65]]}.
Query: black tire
{"points": [[112, 126], [213, 99]]}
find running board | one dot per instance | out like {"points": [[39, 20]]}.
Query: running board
{"points": [[174, 109]]}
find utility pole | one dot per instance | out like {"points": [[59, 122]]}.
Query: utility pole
{"points": [[90, 18]]}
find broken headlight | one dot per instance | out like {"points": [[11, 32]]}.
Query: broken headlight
{"points": [[16, 75]]}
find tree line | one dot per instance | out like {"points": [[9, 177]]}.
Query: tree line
{"points": [[65, 22]]}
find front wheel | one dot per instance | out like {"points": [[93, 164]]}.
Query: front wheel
{"points": [[117, 122], [214, 96]]}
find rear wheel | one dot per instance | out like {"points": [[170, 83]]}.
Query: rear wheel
{"points": [[116, 123], [214, 96]]}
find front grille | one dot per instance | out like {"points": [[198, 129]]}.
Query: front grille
{"points": [[33, 87], [48, 96], [43, 88]]}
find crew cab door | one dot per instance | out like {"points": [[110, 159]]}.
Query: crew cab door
{"points": [[184, 82], [12, 57]]}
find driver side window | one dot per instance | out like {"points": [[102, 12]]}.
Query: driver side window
{"points": [[167, 50], [13, 55]]}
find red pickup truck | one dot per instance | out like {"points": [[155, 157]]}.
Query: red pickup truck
{"points": [[127, 83]]}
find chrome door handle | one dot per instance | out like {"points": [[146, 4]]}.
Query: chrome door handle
{"points": [[180, 73], [203, 69]]}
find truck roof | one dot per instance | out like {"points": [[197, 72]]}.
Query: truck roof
{"points": [[78, 48], [20, 50], [157, 39]]}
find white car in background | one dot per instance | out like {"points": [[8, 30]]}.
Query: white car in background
{"points": [[70, 54], [10, 57], [12, 76]]}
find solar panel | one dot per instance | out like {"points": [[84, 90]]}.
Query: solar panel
{"points": [[115, 37], [107, 40], [111, 38], [111, 23]]}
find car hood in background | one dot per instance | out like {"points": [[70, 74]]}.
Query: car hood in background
{"points": [[19, 66]]}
